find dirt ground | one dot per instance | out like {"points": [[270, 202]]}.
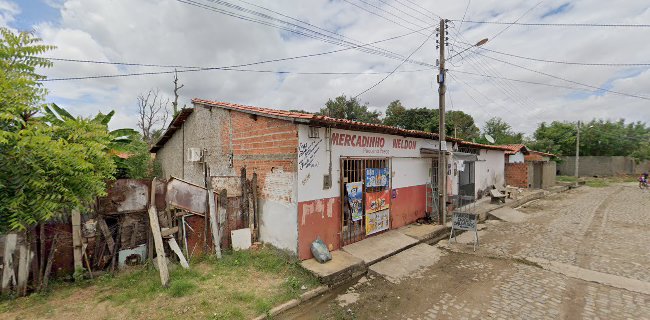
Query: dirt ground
{"points": [[602, 229]]}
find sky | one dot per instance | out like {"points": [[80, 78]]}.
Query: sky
{"points": [[173, 32]]}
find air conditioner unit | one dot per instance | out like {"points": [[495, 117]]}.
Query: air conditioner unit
{"points": [[194, 154]]}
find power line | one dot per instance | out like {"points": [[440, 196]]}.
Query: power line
{"points": [[523, 81], [240, 65], [295, 28], [565, 62], [234, 69], [402, 11], [398, 66], [312, 25], [379, 15], [538, 24], [193, 69], [516, 21], [423, 8], [566, 80]]}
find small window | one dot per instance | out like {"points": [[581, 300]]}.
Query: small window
{"points": [[314, 132]]}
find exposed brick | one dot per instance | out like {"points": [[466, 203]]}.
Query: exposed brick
{"points": [[517, 174]]}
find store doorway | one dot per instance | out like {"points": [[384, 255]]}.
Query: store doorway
{"points": [[366, 195], [466, 180]]}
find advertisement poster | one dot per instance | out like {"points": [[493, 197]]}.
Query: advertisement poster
{"points": [[377, 201], [376, 177], [377, 221], [355, 198]]}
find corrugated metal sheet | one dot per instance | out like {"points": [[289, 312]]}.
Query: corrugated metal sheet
{"points": [[187, 196]]}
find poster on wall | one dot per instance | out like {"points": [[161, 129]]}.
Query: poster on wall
{"points": [[355, 199], [377, 201], [376, 177], [377, 221]]}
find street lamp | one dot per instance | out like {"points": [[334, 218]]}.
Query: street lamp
{"points": [[478, 44]]}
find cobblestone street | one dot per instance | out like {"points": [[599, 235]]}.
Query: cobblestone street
{"points": [[602, 231]]}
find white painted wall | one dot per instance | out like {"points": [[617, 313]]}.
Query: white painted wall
{"points": [[516, 158], [279, 214], [409, 169], [490, 169]]}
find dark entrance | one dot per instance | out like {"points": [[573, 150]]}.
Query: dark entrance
{"points": [[466, 180]]}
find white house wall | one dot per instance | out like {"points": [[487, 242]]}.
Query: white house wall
{"points": [[490, 170]]}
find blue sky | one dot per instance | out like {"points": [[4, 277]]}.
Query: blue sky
{"points": [[34, 12]]}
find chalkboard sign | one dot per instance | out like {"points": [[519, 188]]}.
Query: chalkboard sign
{"points": [[464, 221]]}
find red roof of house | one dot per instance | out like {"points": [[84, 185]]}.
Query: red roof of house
{"points": [[306, 118], [514, 148], [482, 146]]}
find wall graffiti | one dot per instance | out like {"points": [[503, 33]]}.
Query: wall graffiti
{"points": [[307, 152]]}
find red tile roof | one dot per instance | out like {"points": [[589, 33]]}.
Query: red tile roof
{"points": [[307, 118], [514, 148], [482, 146], [313, 119]]}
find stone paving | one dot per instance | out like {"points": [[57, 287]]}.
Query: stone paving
{"points": [[600, 229]]}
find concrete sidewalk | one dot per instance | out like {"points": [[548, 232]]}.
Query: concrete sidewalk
{"points": [[355, 259]]}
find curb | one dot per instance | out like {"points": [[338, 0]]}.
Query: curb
{"points": [[294, 302], [436, 237]]}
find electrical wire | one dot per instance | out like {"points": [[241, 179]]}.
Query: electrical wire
{"points": [[193, 69], [538, 24], [564, 62], [294, 28], [398, 66], [311, 25], [566, 80], [516, 21], [381, 16], [235, 69]]}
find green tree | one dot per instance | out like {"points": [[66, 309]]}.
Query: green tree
{"points": [[458, 123], [45, 167], [501, 131], [350, 109], [597, 138]]}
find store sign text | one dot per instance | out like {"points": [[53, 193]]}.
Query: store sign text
{"points": [[353, 140]]}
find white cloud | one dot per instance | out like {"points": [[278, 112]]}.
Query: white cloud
{"points": [[170, 32]]}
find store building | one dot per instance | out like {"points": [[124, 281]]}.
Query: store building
{"points": [[321, 177]]}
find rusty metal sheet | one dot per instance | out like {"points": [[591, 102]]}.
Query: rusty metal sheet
{"points": [[125, 195], [232, 184], [186, 196]]}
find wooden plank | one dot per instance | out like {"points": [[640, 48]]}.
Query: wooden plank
{"points": [[177, 250], [256, 209], [8, 275], [166, 232], [107, 234], [243, 203], [157, 237], [221, 212], [24, 261], [76, 239], [48, 264], [214, 223]]}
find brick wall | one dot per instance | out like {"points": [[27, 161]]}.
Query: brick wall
{"points": [[267, 146], [517, 174]]}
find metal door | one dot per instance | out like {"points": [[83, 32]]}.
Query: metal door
{"points": [[353, 170], [432, 190]]}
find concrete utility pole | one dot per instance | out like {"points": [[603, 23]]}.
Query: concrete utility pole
{"points": [[578, 153], [442, 150]]}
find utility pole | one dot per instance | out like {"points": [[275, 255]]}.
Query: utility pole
{"points": [[442, 150], [577, 173]]}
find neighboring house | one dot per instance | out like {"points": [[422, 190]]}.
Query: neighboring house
{"points": [[319, 177], [527, 168], [485, 172]]}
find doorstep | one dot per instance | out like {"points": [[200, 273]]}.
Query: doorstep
{"points": [[381, 246], [424, 232], [343, 266]]}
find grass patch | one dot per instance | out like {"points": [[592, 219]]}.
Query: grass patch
{"points": [[566, 178], [597, 183], [241, 285]]}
